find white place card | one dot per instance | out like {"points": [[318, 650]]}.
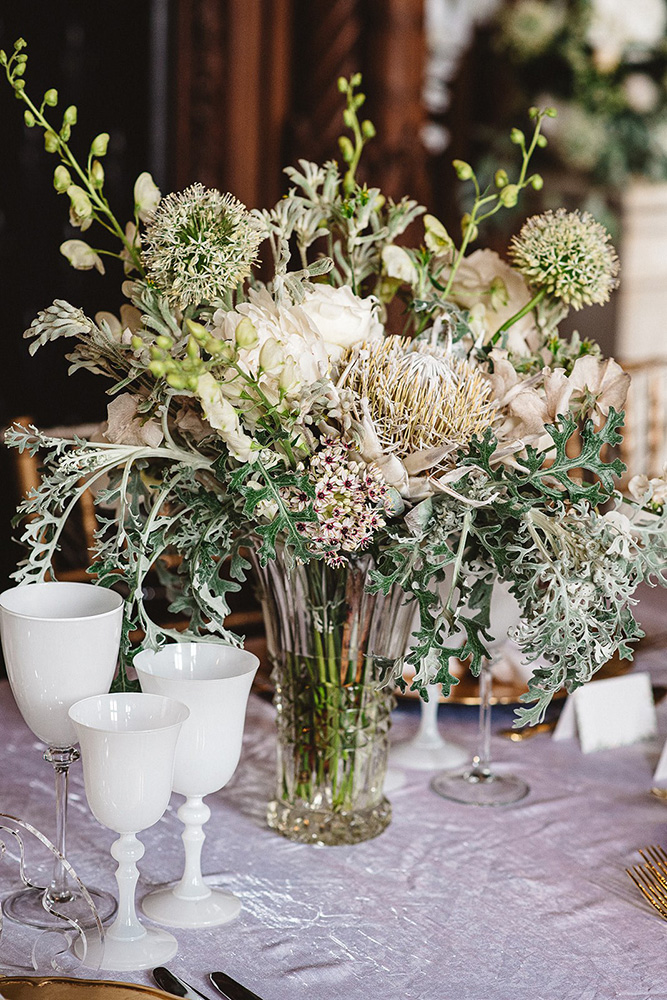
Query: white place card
{"points": [[610, 713]]}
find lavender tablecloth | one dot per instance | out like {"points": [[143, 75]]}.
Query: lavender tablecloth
{"points": [[451, 903]]}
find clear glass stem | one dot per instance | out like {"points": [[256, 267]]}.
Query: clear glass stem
{"points": [[60, 758], [481, 762]]}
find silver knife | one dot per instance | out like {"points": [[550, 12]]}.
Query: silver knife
{"points": [[230, 989], [167, 981]]}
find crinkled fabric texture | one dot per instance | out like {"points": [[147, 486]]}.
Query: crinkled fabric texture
{"points": [[450, 903]]}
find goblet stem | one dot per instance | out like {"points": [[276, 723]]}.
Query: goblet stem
{"points": [[127, 850], [193, 814], [60, 758], [481, 762]]}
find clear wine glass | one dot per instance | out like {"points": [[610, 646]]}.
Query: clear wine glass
{"points": [[479, 784], [60, 643]]}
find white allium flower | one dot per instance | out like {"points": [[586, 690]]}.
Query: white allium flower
{"points": [[199, 243], [567, 254], [619, 26], [529, 27]]}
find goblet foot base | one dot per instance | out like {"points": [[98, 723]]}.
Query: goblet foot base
{"points": [[480, 787], [422, 755], [165, 907], [330, 828], [25, 907], [153, 948]]}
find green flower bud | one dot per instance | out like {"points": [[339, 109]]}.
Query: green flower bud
{"points": [[359, 100], [70, 115], [356, 80], [348, 117], [155, 353], [246, 334], [192, 349], [19, 85], [80, 206], [28, 118], [501, 178], [467, 224], [192, 382], [164, 341], [51, 142], [533, 113], [224, 350], [61, 179], [541, 141], [509, 195], [342, 84], [368, 129], [97, 173], [463, 170], [346, 148], [19, 44], [517, 136], [196, 330], [98, 146], [22, 58], [19, 69], [3, 57], [550, 112], [51, 97], [176, 381], [537, 182], [136, 342], [65, 132], [157, 368]]}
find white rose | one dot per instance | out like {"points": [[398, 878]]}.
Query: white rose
{"points": [[342, 318], [397, 264]]}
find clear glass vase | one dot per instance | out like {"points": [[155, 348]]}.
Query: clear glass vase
{"points": [[332, 646]]}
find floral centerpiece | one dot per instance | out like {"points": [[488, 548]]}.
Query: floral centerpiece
{"points": [[382, 431], [603, 65]]}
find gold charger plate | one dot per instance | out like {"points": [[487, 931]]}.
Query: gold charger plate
{"points": [[58, 988]]}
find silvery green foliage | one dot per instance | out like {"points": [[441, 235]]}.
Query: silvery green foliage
{"points": [[58, 320], [355, 228]]}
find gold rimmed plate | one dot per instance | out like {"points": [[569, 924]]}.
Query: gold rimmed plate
{"points": [[57, 988]]}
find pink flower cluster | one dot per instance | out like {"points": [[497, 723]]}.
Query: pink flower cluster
{"points": [[350, 500]]}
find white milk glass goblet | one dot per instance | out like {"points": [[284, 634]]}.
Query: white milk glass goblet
{"points": [[128, 743], [214, 682], [60, 643]]}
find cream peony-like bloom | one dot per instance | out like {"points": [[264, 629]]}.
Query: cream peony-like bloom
{"points": [[486, 285], [283, 335], [342, 318]]}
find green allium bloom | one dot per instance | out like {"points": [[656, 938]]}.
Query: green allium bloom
{"points": [[199, 243], [568, 255]]}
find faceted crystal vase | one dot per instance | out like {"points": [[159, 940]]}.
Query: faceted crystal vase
{"points": [[334, 649]]}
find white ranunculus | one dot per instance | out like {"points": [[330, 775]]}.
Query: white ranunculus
{"points": [[397, 264], [617, 26], [493, 292], [342, 318], [81, 256]]}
